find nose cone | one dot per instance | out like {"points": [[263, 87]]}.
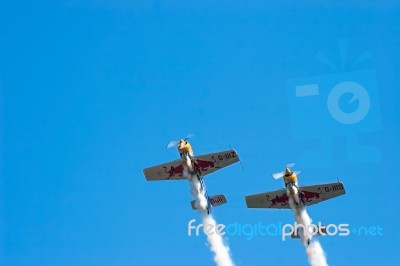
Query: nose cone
{"points": [[288, 172], [182, 144]]}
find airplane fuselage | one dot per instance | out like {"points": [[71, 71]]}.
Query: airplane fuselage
{"points": [[187, 156]]}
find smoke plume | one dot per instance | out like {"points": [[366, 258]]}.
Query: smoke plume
{"points": [[218, 247], [315, 253]]}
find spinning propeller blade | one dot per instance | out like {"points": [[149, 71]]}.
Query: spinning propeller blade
{"points": [[290, 165], [173, 143], [188, 137], [277, 175]]}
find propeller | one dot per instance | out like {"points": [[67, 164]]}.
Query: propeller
{"points": [[173, 143], [290, 165], [277, 175], [281, 174]]}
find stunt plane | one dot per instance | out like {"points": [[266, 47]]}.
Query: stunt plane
{"points": [[190, 166], [301, 196]]}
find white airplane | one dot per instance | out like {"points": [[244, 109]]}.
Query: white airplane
{"points": [[195, 166], [300, 195]]}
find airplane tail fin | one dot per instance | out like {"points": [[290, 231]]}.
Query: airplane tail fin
{"points": [[213, 201]]}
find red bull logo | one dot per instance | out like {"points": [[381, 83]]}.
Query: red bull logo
{"points": [[203, 166], [283, 200], [174, 171], [307, 196], [213, 201]]}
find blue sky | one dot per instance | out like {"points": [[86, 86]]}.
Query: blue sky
{"points": [[91, 92]]}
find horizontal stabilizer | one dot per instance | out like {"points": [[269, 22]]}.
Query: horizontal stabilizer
{"points": [[317, 231], [213, 200]]}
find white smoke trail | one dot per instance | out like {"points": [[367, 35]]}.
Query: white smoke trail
{"points": [[221, 251], [315, 253]]}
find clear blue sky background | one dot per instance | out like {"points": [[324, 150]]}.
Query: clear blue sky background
{"points": [[91, 92]]}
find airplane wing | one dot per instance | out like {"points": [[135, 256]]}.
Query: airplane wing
{"points": [[206, 164], [309, 194], [212, 162], [317, 193], [274, 200], [167, 171]]}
